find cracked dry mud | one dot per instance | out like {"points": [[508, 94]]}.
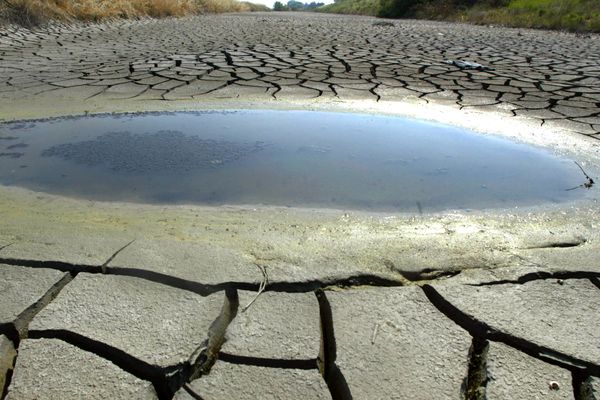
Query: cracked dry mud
{"points": [[130, 337], [109, 300], [548, 76]]}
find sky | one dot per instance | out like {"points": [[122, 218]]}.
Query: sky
{"points": [[269, 3]]}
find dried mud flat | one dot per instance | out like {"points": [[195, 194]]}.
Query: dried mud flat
{"points": [[107, 300]]}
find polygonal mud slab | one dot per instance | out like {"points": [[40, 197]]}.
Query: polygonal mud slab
{"points": [[22, 287], [197, 262], [42, 243], [52, 369], [244, 382], [560, 315], [157, 324], [7, 356], [277, 325], [517, 376], [572, 248], [392, 343]]}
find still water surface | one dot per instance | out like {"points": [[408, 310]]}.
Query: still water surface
{"points": [[286, 158]]}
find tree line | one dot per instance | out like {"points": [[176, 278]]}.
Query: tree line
{"points": [[294, 5]]}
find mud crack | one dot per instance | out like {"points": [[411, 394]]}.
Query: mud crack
{"points": [[481, 330]]}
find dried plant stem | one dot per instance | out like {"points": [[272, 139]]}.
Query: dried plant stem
{"points": [[375, 330], [588, 184], [261, 287]]}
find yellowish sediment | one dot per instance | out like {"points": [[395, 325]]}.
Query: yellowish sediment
{"points": [[316, 240]]}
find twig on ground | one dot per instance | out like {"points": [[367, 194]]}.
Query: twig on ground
{"points": [[375, 330], [5, 246], [261, 287], [104, 266], [588, 184]]}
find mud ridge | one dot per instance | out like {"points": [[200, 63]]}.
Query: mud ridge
{"points": [[560, 244], [209, 351]]}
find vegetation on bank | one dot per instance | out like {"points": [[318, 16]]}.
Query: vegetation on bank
{"points": [[35, 12], [356, 7], [294, 5], [254, 7], [573, 15]]}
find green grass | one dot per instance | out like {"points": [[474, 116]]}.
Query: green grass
{"points": [[361, 7], [571, 15]]}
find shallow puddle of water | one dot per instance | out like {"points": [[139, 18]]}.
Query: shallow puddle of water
{"points": [[296, 158]]}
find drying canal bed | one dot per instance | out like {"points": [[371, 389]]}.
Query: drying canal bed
{"points": [[169, 268], [283, 158]]}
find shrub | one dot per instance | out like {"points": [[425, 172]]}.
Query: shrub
{"points": [[35, 12], [397, 8]]}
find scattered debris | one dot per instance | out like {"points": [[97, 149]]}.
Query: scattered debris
{"points": [[383, 23], [583, 35], [375, 330], [553, 385], [468, 65]]}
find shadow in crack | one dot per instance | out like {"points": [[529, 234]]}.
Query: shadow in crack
{"points": [[336, 382]]}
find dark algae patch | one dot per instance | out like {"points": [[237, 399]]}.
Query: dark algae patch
{"points": [[162, 151], [11, 155], [284, 158]]}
